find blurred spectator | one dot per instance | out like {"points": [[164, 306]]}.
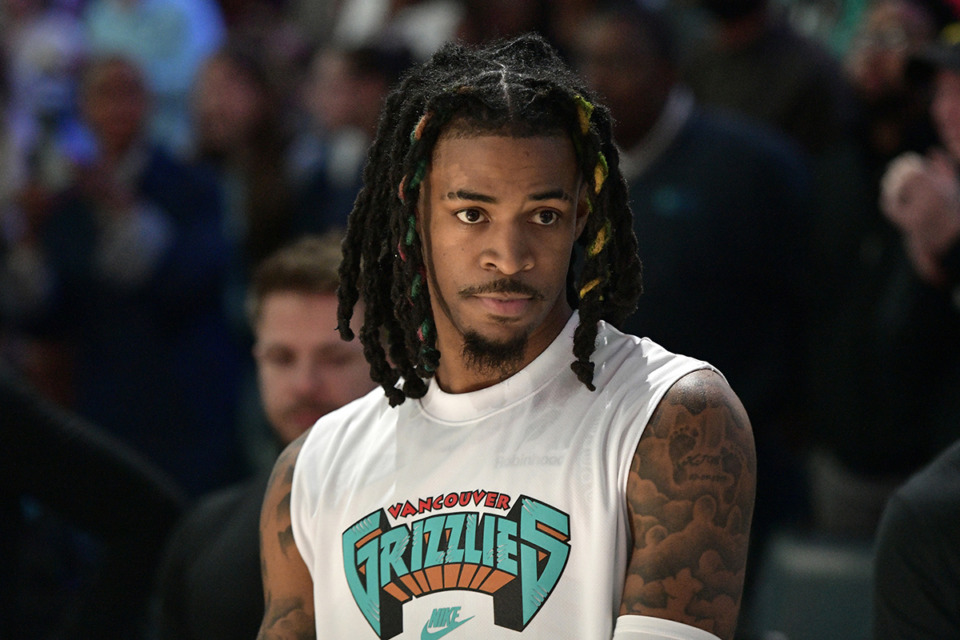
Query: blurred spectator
{"points": [[485, 20], [209, 586], [43, 46], [238, 132], [921, 196], [282, 46], [892, 112], [128, 269], [315, 18], [168, 40], [423, 24], [758, 65], [343, 94], [566, 19], [917, 567], [891, 117], [719, 211], [59, 473], [241, 133], [885, 391]]}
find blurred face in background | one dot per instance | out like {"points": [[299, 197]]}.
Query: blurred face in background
{"points": [[331, 92], [304, 369], [338, 95], [228, 107], [623, 69], [945, 110], [114, 103], [890, 33]]}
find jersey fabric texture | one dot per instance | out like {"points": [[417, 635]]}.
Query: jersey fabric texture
{"points": [[500, 510]]}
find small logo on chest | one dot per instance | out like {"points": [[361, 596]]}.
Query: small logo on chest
{"points": [[442, 621]]}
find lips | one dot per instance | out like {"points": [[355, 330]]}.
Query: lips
{"points": [[504, 306]]}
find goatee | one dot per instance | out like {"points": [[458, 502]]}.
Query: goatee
{"points": [[485, 356]]}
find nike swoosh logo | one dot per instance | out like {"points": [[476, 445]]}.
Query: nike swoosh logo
{"points": [[434, 635]]}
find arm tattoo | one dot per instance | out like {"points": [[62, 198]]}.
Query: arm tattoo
{"points": [[285, 536], [286, 617], [286, 620], [690, 496]]}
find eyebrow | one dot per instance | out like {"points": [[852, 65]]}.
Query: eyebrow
{"points": [[464, 194]]}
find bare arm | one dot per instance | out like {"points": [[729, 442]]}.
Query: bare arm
{"points": [[287, 586], [690, 498]]}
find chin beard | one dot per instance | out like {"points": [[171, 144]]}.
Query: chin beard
{"points": [[497, 357]]}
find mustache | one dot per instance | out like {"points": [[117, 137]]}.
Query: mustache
{"points": [[504, 285]]}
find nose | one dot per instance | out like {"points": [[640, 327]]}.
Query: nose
{"points": [[308, 379], [508, 251]]}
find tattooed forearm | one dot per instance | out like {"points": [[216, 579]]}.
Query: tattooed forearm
{"points": [[690, 497], [286, 620]]}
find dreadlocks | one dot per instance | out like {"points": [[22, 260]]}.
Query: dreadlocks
{"points": [[519, 88]]}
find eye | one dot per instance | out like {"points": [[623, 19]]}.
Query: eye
{"points": [[280, 358], [470, 216], [546, 217]]}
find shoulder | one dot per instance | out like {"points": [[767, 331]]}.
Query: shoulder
{"points": [[629, 360], [701, 404], [690, 498], [930, 498]]}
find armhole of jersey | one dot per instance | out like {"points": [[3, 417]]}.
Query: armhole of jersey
{"points": [[650, 628]]}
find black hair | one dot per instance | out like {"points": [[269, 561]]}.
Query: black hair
{"points": [[519, 88]]}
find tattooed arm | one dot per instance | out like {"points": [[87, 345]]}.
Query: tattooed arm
{"points": [[287, 586], [690, 499]]}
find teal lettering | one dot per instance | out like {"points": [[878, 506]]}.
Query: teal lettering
{"points": [[489, 534], [434, 532], [537, 585], [507, 545], [455, 542], [392, 546], [366, 589], [416, 555], [470, 552]]}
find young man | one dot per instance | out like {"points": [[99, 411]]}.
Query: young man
{"points": [[209, 585], [510, 494]]}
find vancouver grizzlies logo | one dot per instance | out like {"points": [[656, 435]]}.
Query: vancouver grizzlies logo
{"points": [[517, 559]]}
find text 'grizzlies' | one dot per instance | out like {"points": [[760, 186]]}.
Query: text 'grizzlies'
{"points": [[517, 559]]}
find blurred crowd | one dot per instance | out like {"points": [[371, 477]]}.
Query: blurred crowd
{"points": [[793, 170]]}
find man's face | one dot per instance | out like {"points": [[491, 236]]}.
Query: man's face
{"points": [[946, 110], [115, 104], [621, 66], [499, 217], [305, 370], [227, 106]]}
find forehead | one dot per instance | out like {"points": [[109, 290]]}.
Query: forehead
{"points": [[295, 310], [502, 161]]}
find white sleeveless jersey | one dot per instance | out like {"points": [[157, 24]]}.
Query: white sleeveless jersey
{"points": [[499, 513]]}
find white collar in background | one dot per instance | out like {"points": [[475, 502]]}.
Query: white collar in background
{"points": [[634, 162]]}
